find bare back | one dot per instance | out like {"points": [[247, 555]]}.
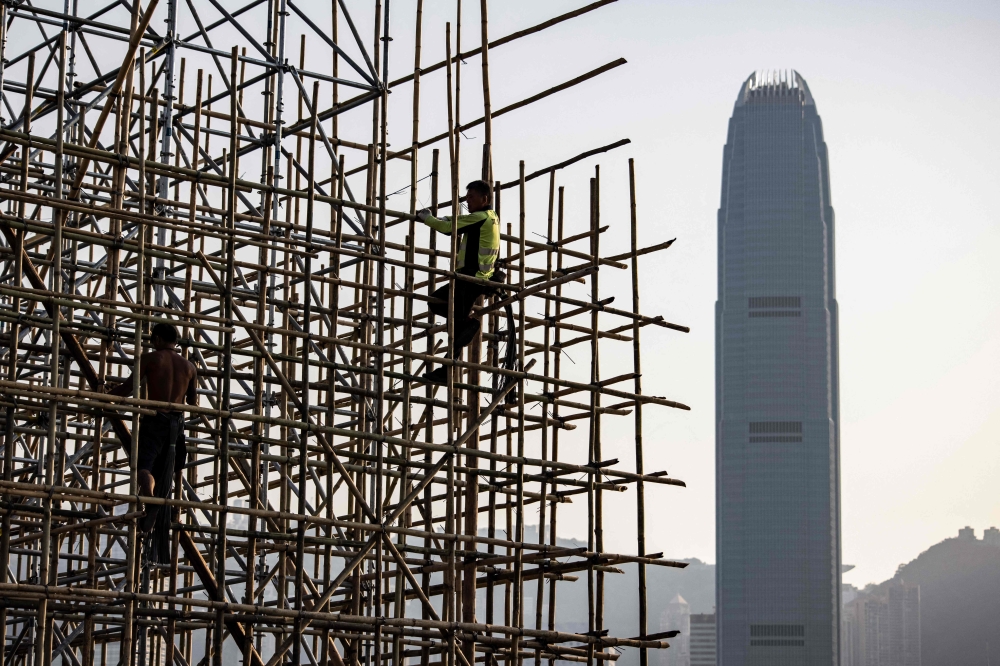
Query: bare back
{"points": [[169, 376]]}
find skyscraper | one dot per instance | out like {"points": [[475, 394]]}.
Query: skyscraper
{"points": [[882, 628], [777, 403], [676, 616], [703, 640]]}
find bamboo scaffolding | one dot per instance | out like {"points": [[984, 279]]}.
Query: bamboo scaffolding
{"points": [[335, 508]]}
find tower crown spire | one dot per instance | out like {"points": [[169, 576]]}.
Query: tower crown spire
{"points": [[774, 85]]}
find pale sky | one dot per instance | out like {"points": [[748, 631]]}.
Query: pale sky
{"points": [[909, 94]]}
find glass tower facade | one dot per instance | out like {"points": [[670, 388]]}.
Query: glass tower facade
{"points": [[777, 403]]}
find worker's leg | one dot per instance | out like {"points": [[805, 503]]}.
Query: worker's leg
{"points": [[438, 305], [466, 294], [151, 443], [465, 333], [151, 440], [440, 308], [466, 326]]}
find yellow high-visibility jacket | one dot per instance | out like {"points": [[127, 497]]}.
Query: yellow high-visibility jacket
{"points": [[479, 230]]}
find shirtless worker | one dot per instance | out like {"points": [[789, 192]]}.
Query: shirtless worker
{"points": [[169, 377], [478, 249]]}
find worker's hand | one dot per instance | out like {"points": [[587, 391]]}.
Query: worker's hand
{"points": [[423, 214]]}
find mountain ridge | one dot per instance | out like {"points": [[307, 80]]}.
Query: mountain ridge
{"points": [[959, 581]]}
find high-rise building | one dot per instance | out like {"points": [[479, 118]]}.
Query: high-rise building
{"points": [[676, 617], [991, 536], [777, 402], [702, 648], [850, 628], [883, 628]]}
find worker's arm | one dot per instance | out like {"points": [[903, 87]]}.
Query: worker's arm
{"points": [[125, 388], [444, 224], [192, 392]]}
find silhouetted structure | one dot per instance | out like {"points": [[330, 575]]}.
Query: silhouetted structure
{"points": [[777, 406], [703, 639]]}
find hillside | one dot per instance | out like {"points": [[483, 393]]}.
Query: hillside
{"points": [[959, 583]]}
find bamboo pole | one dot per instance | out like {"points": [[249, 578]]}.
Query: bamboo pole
{"points": [[640, 501], [14, 331]]}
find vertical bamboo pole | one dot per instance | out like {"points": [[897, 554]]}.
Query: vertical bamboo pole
{"points": [[494, 423], [305, 399], [335, 92], [49, 560], [335, 256], [592, 454], [187, 640], [428, 524], [408, 282], [193, 200], [3, 73], [471, 501], [508, 608], [10, 436], [141, 298], [450, 576], [125, 117], [540, 590], [287, 346], [517, 609], [556, 367], [640, 497], [595, 295], [379, 425], [487, 105], [225, 364], [256, 501], [93, 539]]}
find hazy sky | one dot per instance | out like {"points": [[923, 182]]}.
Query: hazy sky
{"points": [[909, 94]]}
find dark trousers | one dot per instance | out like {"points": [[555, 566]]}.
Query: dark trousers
{"points": [[162, 453], [466, 294], [156, 435]]}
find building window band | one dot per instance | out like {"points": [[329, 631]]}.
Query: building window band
{"points": [[775, 302], [778, 631], [777, 642], [770, 314], [779, 427]]}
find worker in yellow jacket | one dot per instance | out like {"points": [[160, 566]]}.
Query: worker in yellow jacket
{"points": [[478, 248]]}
